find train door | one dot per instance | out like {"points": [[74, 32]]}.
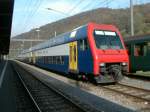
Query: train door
{"points": [[73, 57], [140, 60]]}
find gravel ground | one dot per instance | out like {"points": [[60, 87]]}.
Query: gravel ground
{"points": [[103, 93], [146, 74], [136, 83]]}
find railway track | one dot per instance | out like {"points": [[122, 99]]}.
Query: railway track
{"points": [[46, 99], [22, 100], [131, 91], [138, 77]]}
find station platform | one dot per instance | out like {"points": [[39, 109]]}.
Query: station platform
{"points": [[7, 100]]}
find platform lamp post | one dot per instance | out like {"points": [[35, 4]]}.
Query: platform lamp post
{"points": [[50, 9], [38, 33], [131, 17], [22, 45]]}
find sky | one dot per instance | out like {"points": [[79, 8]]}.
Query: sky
{"points": [[31, 14]]}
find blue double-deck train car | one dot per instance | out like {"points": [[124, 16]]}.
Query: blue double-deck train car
{"points": [[90, 50]]}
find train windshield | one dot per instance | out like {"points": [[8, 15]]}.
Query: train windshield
{"points": [[107, 40]]}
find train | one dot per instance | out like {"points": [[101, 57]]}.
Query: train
{"points": [[95, 51], [139, 52]]}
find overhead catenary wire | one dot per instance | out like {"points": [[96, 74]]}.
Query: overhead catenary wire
{"points": [[32, 12], [75, 6], [35, 12], [24, 15], [100, 4], [28, 12], [85, 7], [105, 3]]}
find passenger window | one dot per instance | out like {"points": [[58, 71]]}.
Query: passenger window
{"points": [[52, 59], [140, 49], [148, 48], [86, 44], [70, 54], [62, 59], [128, 47], [75, 53], [83, 44]]}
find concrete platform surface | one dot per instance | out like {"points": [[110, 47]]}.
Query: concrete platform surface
{"points": [[7, 101]]}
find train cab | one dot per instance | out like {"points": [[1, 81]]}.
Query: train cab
{"points": [[110, 58]]}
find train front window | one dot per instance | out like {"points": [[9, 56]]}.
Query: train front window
{"points": [[107, 40]]}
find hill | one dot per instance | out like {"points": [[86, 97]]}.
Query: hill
{"points": [[118, 17]]}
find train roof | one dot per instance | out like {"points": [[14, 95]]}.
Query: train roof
{"points": [[74, 35], [137, 39]]}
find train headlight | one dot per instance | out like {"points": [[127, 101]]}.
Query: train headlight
{"points": [[102, 64], [124, 64]]}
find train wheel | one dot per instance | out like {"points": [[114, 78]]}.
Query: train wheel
{"points": [[116, 73]]}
